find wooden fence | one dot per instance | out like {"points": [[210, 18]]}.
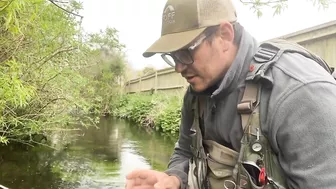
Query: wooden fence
{"points": [[161, 80], [320, 39]]}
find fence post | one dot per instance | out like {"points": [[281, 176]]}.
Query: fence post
{"points": [[156, 81], [140, 84], [126, 87]]}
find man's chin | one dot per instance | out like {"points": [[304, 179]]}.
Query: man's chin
{"points": [[197, 88]]}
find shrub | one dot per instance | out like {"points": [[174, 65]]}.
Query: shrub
{"points": [[159, 111]]}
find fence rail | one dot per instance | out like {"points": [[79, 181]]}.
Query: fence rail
{"points": [[161, 80]]}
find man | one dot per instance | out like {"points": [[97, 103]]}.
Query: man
{"points": [[204, 42]]}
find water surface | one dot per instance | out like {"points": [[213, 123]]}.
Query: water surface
{"points": [[97, 158]]}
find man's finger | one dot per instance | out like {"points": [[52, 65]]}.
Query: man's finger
{"points": [[144, 187], [132, 174], [139, 181], [147, 177], [132, 184], [137, 173], [129, 184]]}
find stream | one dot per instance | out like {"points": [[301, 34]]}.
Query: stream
{"points": [[95, 158]]}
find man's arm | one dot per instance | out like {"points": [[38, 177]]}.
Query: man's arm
{"points": [[179, 162], [303, 129]]}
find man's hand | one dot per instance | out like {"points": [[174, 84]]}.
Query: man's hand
{"points": [[150, 179]]}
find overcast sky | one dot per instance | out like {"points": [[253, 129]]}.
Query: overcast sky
{"points": [[139, 22]]}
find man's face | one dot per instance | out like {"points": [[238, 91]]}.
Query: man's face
{"points": [[211, 62]]}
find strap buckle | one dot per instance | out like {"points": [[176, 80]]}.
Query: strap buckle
{"points": [[245, 107], [265, 54]]}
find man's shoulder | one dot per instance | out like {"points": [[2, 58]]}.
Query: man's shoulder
{"points": [[294, 77], [291, 72], [296, 67]]}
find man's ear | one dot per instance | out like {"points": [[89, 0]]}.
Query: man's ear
{"points": [[226, 33]]}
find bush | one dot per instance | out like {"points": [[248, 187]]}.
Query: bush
{"points": [[158, 111], [168, 119]]}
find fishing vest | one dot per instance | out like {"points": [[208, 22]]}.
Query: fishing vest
{"points": [[214, 166]]}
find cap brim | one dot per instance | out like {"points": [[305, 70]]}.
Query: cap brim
{"points": [[172, 42]]}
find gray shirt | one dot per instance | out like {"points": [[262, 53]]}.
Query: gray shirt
{"points": [[298, 116]]}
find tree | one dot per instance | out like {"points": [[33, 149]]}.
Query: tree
{"points": [[147, 70], [47, 69], [279, 5]]}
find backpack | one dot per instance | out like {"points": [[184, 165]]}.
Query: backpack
{"points": [[258, 166]]}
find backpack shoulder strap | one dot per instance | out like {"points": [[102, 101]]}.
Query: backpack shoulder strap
{"points": [[249, 102], [288, 46], [269, 53]]}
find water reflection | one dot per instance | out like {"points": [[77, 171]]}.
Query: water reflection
{"points": [[98, 158]]}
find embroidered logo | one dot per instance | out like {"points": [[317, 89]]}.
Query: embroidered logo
{"points": [[168, 15]]}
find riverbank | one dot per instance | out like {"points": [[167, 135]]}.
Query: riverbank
{"points": [[159, 111]]}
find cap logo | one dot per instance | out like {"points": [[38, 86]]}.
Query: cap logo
{"points": [[168, 15]]}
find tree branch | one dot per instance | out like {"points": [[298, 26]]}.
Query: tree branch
{"points": [[10, 51], [55, 54], [53, 77], [20, 141], [263, 3], [53, 100], [53, 2], [4, 7], [60, 1]]}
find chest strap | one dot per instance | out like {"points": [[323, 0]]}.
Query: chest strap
{"points": [[249, 102], [257, 163]]}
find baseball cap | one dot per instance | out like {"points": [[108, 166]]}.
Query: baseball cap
{"points": [[184, 20]]}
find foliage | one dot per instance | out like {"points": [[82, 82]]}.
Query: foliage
{"points": [[168, 117], [107, 69], [158, 111], [279, 5], [147, 70], [134, 107], [52, 75]]}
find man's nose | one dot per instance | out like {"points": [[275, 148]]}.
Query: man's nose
{"points": [[179, 68]]}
